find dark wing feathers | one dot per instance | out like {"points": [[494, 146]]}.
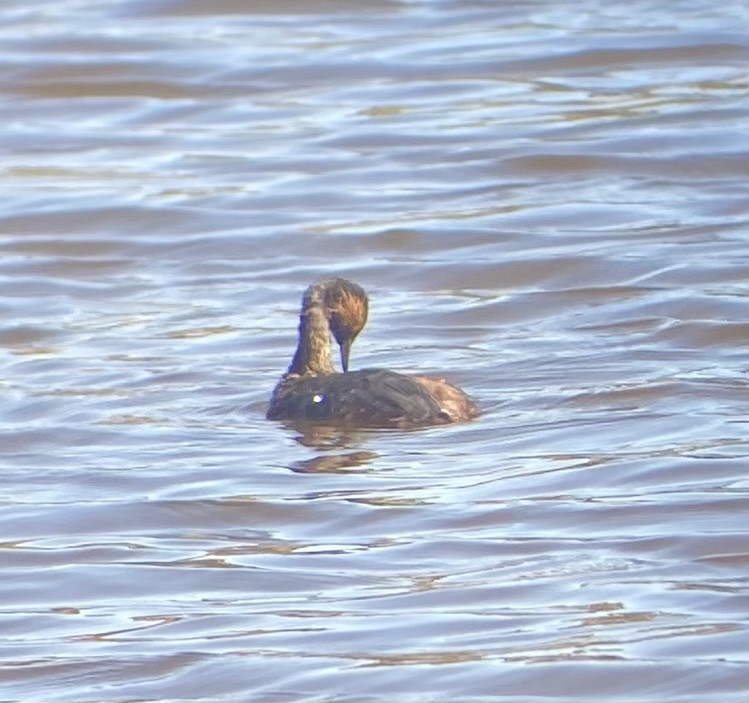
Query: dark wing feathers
{"points": [[375, 398]]}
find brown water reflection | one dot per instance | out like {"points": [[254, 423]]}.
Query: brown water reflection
{"points": [[548, 204], [338, 463]]}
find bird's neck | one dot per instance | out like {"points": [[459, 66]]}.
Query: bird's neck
{"points": [[313, 355]]}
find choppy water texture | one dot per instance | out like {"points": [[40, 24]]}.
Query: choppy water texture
{"points": [[547, 203]]}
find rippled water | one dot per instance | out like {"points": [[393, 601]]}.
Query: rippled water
{"points": [[547, 203]]}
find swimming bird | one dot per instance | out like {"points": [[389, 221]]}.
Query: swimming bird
{"points": [[312, 391]]}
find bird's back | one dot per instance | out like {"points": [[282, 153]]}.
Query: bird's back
{"points": [[365, 398]]}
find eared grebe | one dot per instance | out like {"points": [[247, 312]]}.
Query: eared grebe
{"points": [[312, 391]]}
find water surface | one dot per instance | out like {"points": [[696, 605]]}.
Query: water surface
{"points": [[547, 206]]}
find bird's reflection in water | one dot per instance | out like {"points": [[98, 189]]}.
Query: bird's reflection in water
{"points": [[326, 439], [350, 462]]}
